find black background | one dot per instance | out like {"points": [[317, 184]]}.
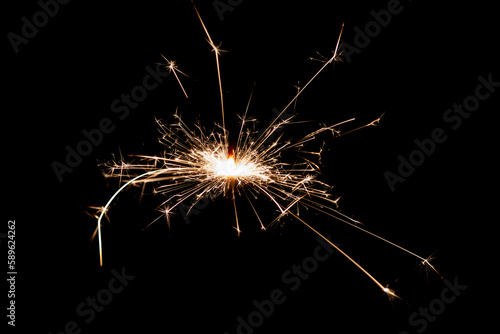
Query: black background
{"points": [[200, 277]]}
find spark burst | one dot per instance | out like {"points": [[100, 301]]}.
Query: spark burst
{"points": [[200, 164]]}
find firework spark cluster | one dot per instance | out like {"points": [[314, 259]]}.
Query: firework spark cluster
{"points": [[198, 163]]}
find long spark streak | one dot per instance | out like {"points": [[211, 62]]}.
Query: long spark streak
{"points": [[313, 77], [349, 222], [105, 209], [217, 52], [383, 288], [235, 211]]}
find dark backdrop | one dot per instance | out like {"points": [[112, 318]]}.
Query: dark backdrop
{"points": [[199, 277]]}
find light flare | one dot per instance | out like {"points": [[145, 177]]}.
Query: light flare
{"points": [[229, 168], [197, 164]]}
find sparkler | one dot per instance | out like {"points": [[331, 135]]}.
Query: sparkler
{"points": [[200, 164]]}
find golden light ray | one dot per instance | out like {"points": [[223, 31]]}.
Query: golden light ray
{"points": [[370, 276], [313, 77], [217, 52], [171, 67]]}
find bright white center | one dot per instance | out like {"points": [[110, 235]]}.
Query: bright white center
{"points": [[228, 167]]}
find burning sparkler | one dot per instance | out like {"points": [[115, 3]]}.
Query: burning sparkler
{"points": [[203, 164]]}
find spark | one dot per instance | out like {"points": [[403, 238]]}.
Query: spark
{"points": [[330, 61], [172, 68], [383, 288], [217, 52], [197, 164]]}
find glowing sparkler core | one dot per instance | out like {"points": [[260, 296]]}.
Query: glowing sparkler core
{"points": [[197, 164], [229, 168]]}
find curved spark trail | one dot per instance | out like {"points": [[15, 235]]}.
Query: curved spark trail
{"points": [[198, 164]]}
